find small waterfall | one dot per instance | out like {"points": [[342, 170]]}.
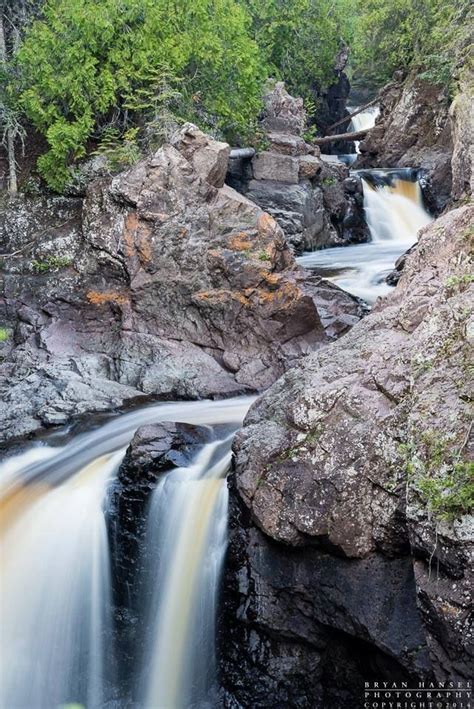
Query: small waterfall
{"points": [[188, 520], [395, 213], [363, 121]]}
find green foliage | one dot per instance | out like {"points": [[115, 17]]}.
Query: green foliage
{"points": [[89, 65], [51, 263], [429, 35], [263, 256], [452, 494], [121, 151], [301, 38], [444, 482], [459, 281], [4, 334]]}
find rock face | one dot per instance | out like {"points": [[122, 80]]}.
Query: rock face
{"points": [[350, 535], [462, 126], [331, 105], [160, 283], [413, 130], [311, 200]]}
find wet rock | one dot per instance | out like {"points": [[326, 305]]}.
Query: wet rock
{"points": [[331, 103], [394, 276], [335, 465], [288, 612]]}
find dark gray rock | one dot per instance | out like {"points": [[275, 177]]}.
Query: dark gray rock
{"points": [[289, 612], [154, 450]]}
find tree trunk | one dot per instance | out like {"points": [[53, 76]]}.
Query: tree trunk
{"points": [[342, 136], [355, 113], [10, 136], [12, 175]]}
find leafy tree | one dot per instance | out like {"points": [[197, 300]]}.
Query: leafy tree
{"points": [[86, 66], [430, 35], [301, 38]]}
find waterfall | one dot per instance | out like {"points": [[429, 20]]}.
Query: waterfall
{"points": [[394, 212], [363, 121], [188, 521], [55, 595], [56, 642]]}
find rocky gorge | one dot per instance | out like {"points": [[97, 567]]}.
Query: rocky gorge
{"points": [[350, 541]]}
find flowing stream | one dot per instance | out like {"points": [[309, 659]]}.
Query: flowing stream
{"points": [[394, 212], [56, 643]]}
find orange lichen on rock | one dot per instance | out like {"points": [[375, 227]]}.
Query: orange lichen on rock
{"points": [[273, 279], [266, 225], [220, 296], [98, 298], [240, 242], [287, 294], [136, 235]]}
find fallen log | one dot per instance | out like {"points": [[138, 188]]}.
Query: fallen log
{"points": [[342, 136], [355, 113]]}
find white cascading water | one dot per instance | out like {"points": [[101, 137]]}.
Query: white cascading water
{"points": [[363, 121], [395, 214], [188, 521], [55, 595], [55, 605]]}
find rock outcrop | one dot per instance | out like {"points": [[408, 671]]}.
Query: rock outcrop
{"points": [[162, 282], [155, 450], [315, 202], [413, 130], [351, 542], [462, 127], [331, 105]]}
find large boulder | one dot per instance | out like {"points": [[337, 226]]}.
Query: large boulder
{"points": [[357, 462], [158, 283], [209, 157]]}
